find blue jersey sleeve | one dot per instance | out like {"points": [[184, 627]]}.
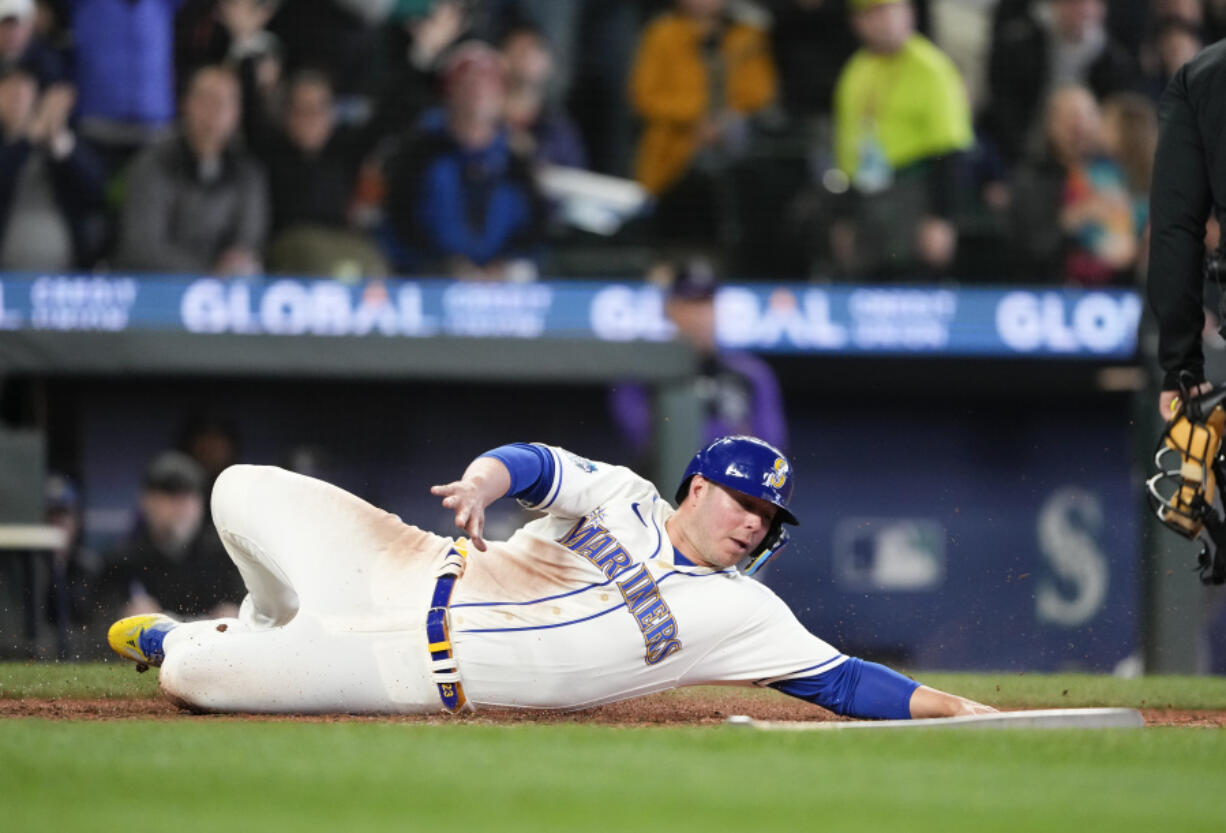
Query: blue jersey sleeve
{"points": [[856, 688], [531, 469]]}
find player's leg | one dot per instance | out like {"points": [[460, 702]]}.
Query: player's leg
{"points": [[306, 666], [303, 544]]}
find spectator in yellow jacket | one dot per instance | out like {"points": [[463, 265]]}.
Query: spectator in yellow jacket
{"points": [[696, 76]]}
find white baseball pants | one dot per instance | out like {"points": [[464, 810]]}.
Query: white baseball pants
{"points": [[334, 619]]}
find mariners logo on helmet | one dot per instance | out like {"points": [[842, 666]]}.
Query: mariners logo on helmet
{"points": [[779, 476]]}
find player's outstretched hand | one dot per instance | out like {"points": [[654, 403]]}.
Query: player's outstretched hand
{"points": [[466, 499], [931, 702], [970, 707], [484, 481]]}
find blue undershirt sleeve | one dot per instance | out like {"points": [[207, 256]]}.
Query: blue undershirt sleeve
{"points": [[531, 469], [856, 688]]}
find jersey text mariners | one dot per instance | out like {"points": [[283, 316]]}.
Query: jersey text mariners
{"points": [[590, 603]]}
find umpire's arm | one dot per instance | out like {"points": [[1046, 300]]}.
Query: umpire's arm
{"points": [[1180, 201]]}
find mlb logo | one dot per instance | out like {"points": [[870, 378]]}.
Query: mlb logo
{"points": [[885, 555]]}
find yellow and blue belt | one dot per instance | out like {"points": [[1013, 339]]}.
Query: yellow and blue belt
{"points": [[443, 668]]}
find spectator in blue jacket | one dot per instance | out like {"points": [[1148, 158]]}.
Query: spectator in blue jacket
{"points": [[460, 200], [124, 70], [50, 184]]}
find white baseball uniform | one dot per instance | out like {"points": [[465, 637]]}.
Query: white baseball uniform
{"points": [[586, 605]]}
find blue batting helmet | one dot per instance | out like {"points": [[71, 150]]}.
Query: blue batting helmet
{"points": [[747, 465], [752, 467]]}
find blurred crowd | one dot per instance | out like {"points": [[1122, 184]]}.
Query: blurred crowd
{"points": [[878, 140]]}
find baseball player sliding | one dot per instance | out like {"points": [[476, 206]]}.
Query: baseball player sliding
{"points": [[610, 594]]}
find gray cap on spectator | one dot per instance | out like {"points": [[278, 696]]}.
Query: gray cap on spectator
{"points": [[173, 472]]}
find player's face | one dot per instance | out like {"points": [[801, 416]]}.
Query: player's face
{"points": [[728, 525]]}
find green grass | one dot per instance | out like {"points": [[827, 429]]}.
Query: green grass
{"points": [[217, 775], [1013, 690], [206, 774], [75, 679]]}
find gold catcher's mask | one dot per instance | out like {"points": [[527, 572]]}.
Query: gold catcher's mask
{"points": [[1186, 491]]}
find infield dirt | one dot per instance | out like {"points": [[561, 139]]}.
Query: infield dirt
{"points": [[709, 708]]}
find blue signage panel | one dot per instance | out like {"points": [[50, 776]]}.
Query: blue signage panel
{"points": [[1003, 539], [788, 318]]}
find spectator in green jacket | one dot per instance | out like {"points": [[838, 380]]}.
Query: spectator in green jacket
{"points": [[902, 126]]}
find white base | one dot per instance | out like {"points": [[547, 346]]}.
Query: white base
{"points": [[1033, 719]]}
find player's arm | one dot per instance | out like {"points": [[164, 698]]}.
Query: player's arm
{"points": [[932, 702], [857, 688], [519, 469]]}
